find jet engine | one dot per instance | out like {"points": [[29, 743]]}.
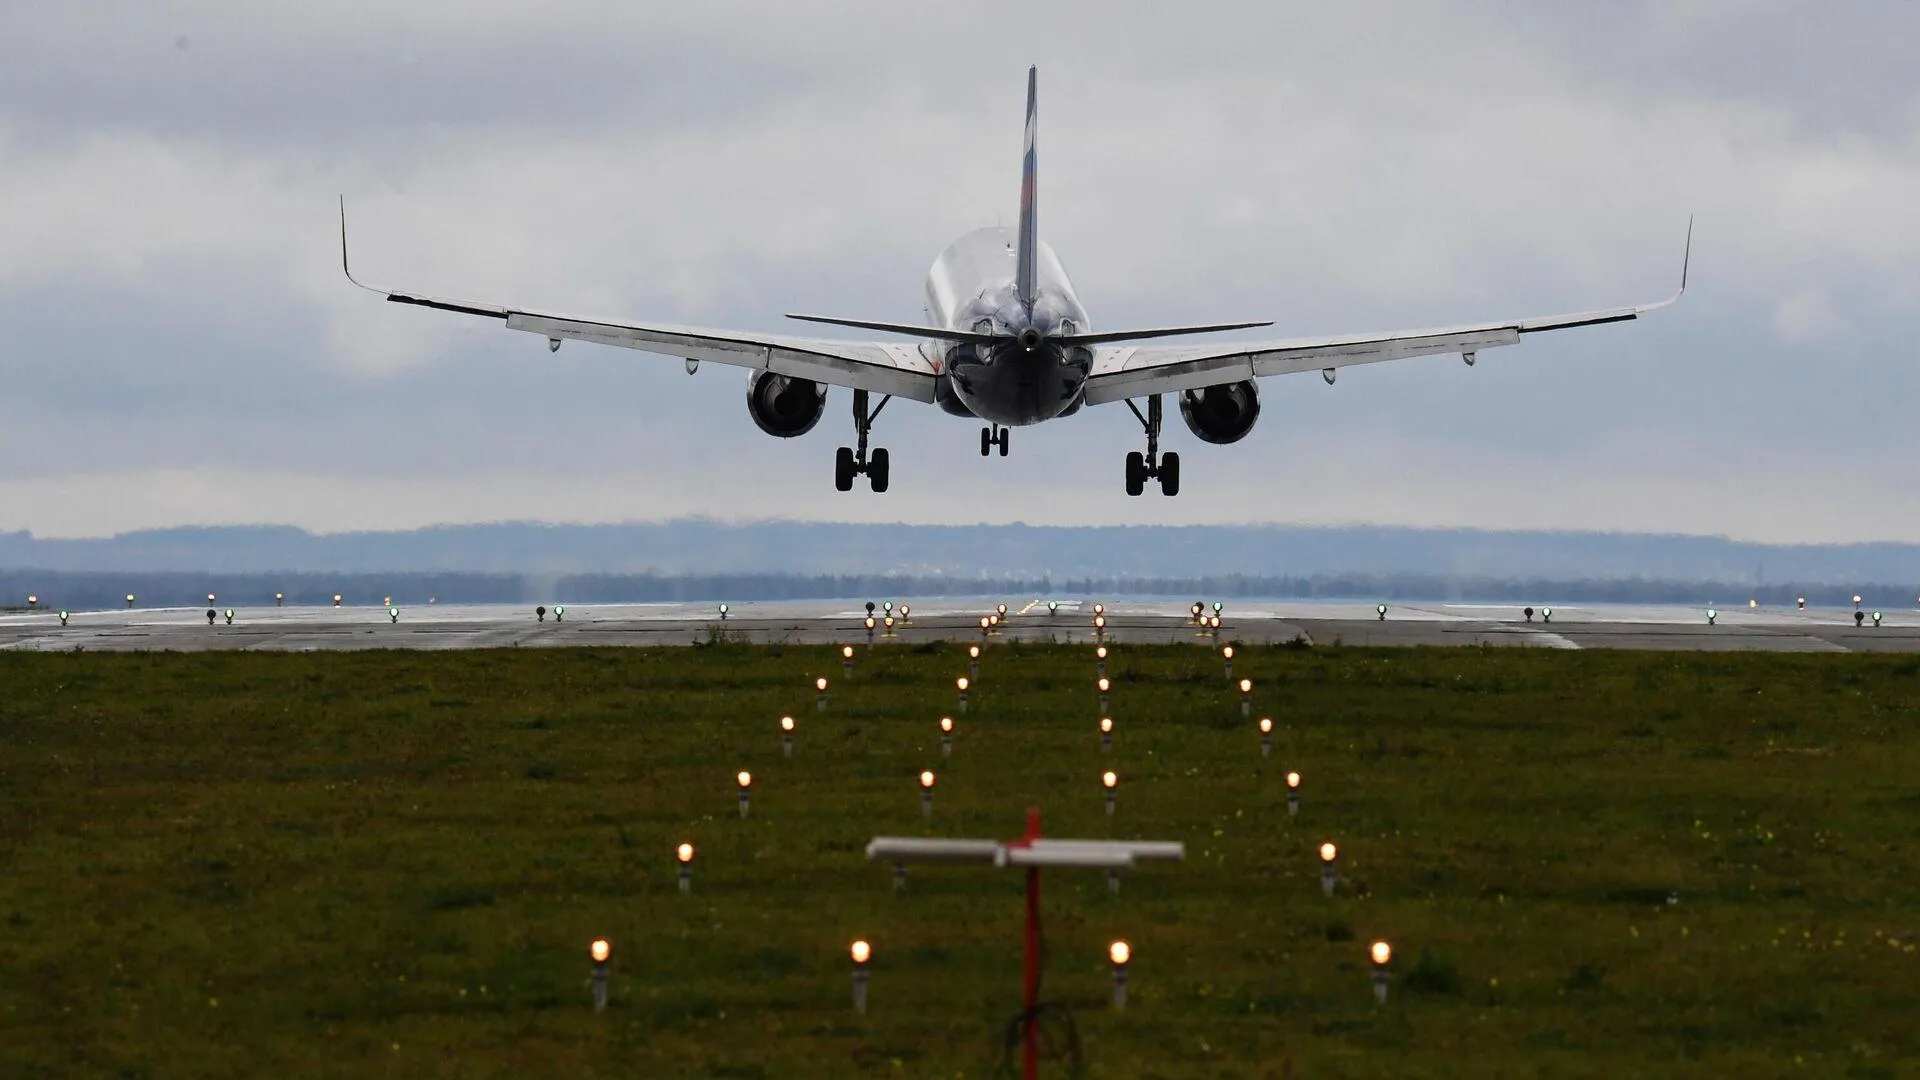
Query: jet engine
{"points": [[1221, 414], [783, 406]]}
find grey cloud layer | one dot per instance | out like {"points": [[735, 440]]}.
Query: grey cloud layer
{"points": [[182, 349]]}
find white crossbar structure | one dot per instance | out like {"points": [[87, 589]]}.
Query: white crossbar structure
{"points": [[1095, 854], [1029, 853]]}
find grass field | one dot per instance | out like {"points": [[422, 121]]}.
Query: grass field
{"points": [[1590, 863]]}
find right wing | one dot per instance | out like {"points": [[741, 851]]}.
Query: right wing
{"points": [[1139, 371], [883, 367]]}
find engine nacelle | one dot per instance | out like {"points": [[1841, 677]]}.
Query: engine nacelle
{"points": [[783, 406], [1221, 414]]}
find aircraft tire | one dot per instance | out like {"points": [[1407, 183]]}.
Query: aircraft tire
{"points": [[1169, 474], [843, 469], [986, 442], [877, 470], [1136, 473], [1006, 436]]}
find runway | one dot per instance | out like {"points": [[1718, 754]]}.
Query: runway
{"points": [[450, 626]]}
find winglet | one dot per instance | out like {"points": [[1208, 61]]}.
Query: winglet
{"points": [[1686, 260], [344, 268], [1027, 266]]}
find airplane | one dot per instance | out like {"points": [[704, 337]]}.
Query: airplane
{"points": [[1007, 341]]}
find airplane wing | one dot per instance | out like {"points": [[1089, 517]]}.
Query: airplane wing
{"points": [[883, 367], [1128, 372]]}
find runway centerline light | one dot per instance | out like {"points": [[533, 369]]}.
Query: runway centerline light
{"points": [[1119, 953], [861, 953], [1381, 954], [600, 950]]}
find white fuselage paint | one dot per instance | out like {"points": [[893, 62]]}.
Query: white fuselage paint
{"points": [[971, 288]]}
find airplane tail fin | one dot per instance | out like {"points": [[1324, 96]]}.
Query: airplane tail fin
{"points": [[1027, 268]]}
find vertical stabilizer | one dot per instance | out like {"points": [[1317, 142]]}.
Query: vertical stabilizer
{"points": [[1027, 269]]}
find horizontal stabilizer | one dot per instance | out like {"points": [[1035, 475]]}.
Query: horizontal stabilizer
{"points": [[1169, 331], [907, 329]]}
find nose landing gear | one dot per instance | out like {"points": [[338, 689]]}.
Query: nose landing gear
{"points": [[991, 437], [849, 463], [1152, 464]]}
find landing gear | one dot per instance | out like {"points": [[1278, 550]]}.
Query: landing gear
{"points": [[1152, 464], [849, 462], [991, 437]]}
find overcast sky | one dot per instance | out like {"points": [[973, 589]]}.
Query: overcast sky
{"points": [[180, 348]]}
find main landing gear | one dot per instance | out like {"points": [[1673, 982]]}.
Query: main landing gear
{"points": [[1153, 464], [849, 463], [992, 437]]}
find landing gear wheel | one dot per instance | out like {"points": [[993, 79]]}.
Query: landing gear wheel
{"points": [[877, 470], [986, 441], [1006, 436], [843, 469], [1169, 474], [1136, 473]]}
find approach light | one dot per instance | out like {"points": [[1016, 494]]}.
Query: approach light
{"points": [[1381, 953], [1876, 618], [887, 606], [1328, 853], [1246, 686], [1099, 609], [1266, 726], [1856, 599], [129, 599], [862, 952], [1119, 952], [973, 652], [745, 780], [33, 601], [962, 683], [926, 778], [985, 623], [393, 613], [1104, 684], [336, 599], [1099, 622], [1100, 652], [1293, 781], [786, 723], [1801, 603], [63, 617], [1001, 611], [723, 611], [946, 725], [871, 624], [1214, 623], [1053, 607], [229, 616], [1108, 780], [1381, 610], [1226, 651], [820, 684], [1216, 607], [684, 853], [846, 653], [600, 950], [1106, 725]]}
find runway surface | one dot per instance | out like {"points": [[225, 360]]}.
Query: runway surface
{"points": [[465, 626]]}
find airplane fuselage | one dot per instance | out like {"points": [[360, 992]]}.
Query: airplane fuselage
{"points": [[1023, 381]]}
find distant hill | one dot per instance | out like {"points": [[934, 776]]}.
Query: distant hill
{"points": [[968, 552]]}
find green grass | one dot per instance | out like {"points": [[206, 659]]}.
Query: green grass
{"points": [[1591, 864]]}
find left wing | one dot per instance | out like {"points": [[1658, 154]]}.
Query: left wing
{"points": [[1129, 372], [883, 367]]}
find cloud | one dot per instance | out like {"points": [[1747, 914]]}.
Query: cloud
{"points": [[179, 329]]}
